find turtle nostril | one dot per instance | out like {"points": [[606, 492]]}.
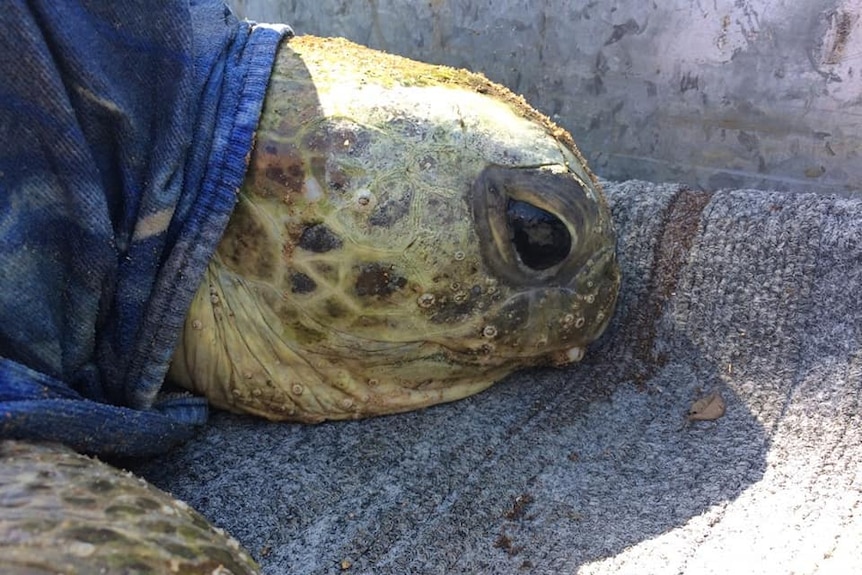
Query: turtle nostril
{"points": [[540, 238]]}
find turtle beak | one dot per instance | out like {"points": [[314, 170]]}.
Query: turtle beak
{"points": [[537, 226]]}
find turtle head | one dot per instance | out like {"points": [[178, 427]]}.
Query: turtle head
{"points": [[407, 234]]}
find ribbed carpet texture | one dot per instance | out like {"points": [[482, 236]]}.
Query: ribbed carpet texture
{"points": [[594, 469]]}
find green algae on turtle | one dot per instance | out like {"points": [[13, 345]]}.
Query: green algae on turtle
{"points": [[370, 265]]}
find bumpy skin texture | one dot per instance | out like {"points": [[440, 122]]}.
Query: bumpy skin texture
{"points": [[61, 512], [368, 267]]}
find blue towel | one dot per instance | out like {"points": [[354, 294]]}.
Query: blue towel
{"points": [[124, 132]]}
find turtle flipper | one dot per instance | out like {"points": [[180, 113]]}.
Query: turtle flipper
{"points": [[61, 512]]}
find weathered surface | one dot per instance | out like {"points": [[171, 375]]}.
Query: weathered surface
{"points": [[727, 93]]}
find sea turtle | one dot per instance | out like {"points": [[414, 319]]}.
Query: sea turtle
{"points": [[406, 235]]}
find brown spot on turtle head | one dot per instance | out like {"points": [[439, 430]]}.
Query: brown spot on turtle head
{"points": [[290, 179], [301, 283], [319, 239], [378, 280], [245, 247], [337, 135], [281, 170], [391, 211], [335, 308]]}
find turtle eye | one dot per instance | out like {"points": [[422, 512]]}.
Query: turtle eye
{"points": [[540, 238], [532, 223]]}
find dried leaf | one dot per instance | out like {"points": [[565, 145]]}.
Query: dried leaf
{"points": [[707, 408]]}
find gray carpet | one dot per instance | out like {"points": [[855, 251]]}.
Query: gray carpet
{"points": [[590, 469]]}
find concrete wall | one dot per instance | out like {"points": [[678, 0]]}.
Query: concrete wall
{"points": [[715, 93]]}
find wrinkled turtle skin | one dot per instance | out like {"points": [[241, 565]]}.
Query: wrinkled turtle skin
{"points": [[406, 235]]}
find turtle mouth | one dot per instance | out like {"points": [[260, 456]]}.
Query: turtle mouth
{"points": [[537, 226]]}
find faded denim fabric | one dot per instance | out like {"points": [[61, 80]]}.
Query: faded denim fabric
{"points": [[124, 132]]}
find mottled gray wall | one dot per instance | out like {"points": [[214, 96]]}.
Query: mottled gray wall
{"points": [[715, 93]]}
